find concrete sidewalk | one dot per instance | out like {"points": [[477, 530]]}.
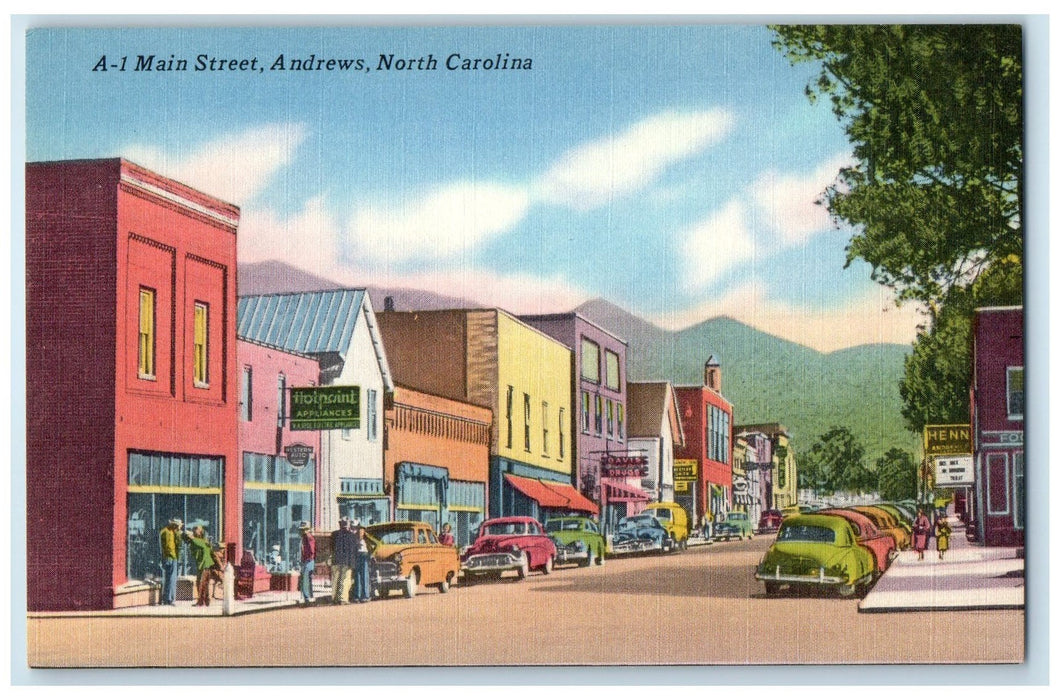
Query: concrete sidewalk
{"points": [[970, 577]]}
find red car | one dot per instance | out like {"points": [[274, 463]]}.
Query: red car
{"points": [[515, 543], [869, 536], [770, 521]]}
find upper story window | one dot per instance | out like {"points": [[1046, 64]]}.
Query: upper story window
{"points": [[371, 415], [508, 414], [246, 399], [718, 447], [590, 361], [585, 411], [281, 400], [201, 349], [610, 418], [613, 381], [526, 422], [1014, 392], [599, 421], [146, 350], [544, 428], [562, 451], [621, 420]]}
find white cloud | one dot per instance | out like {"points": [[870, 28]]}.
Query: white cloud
{"points": [[232, 167], [787, 202], [873, 318], [716, 244], [308, 239], [590, 174], [446, 220]]}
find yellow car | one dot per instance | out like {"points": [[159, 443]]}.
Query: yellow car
{"points": [[674, 518], [406, 555]]}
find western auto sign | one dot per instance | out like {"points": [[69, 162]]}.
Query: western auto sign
{"points": [[298, 454], [947, 439], [326, 408], [624, 465], [686, 471]]}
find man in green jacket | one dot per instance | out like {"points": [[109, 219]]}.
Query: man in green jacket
{"points": [[202, 550]]}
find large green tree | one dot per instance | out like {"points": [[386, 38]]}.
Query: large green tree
{"points": [[934, 115], [836, 462], [896, 474]]}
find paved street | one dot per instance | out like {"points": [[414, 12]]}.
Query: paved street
{"points": [[701, 606]]}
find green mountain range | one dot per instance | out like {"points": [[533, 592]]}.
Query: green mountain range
{"points": [[769, 379]]}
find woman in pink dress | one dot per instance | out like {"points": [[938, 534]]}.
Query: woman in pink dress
{"points": [[921, 532]]}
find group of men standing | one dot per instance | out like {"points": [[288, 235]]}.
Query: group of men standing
{"points": [[350, 564], [209, 567]]}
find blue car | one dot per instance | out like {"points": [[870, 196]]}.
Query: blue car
{"points": [[640, 533]]}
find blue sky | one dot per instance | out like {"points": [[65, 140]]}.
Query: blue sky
{"points": [[670, 169]]}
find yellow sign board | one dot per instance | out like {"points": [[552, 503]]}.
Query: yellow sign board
{"points": [[947, 439], [685, 470]]}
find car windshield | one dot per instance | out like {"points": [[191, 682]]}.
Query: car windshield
{"points": [[806, 533], [504, 529], [394, 534], [660, 513], [637, 521], [560, 525]]}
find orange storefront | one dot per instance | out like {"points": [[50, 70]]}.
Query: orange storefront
{"points": [[436, 461]]}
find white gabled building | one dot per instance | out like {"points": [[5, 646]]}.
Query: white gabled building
{"points": [[338, 327]]}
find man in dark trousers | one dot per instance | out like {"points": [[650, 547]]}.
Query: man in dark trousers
{"points": [[309, 556], [344, 548], [169, 540]]}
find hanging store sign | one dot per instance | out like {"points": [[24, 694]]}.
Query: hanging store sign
{"points": [[326, 408], [298, 454], [947, 439], [686, 469], [624, 465], [954, 471]]}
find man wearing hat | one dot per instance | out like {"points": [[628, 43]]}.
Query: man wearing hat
{"points": [[169, 543], [309, 556], [342, 555]]}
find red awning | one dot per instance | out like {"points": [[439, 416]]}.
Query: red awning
{"points": [[624, 493], [552, 494]]}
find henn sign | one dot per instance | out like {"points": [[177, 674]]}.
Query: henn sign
{"points": [[947, 440], [326, 408]]}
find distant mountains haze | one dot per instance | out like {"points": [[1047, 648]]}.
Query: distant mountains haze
{"points": [[767, 378]]}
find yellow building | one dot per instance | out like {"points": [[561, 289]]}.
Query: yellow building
{"points": [[490, 358]]}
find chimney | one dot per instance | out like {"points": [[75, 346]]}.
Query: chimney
{"points": [[712, 374], [388, 303]]}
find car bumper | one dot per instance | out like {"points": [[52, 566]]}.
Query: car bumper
{"points": [[486, 563], [819, 578], [564, 556], [634, 546], [387, 575]]}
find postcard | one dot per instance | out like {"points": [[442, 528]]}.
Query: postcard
{"points": [[447, 345]]}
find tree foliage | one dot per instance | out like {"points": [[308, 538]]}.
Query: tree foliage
{"points": [[896, 475], [934, 116], [836, 462], [938, 373]]}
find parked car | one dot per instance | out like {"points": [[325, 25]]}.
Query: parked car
{"points": [[640, 533], [674, 518], [815, 552], [770, 521], [577, 539], [516, 543], [887, 523], [882, 545], [734, 526], [406, 555], [899, 517]]}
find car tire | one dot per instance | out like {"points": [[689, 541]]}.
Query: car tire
{"points": [[443, 587], [846, 590], [588, 558], [772, 588], [412, 584], [547, 568], [524, 567], [468, 579]]}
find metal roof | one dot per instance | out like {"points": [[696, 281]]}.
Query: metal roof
{"points": [[304, 322]]}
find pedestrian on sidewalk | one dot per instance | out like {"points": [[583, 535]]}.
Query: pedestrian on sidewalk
{"points": [[362, 578], [344, 547], [921, 532], [209, 571], [309, 555], [169, 543], [942, 535]]}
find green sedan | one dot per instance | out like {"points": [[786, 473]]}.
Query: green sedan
{"points": [[578, 540], [817, 552]]}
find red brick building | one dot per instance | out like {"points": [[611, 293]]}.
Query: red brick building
{"points": [[132, 392], [997, 425], [436, 462], [707, 419]]}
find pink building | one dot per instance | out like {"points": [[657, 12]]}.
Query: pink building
{"points": [[279, 466], [997, 425]]}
